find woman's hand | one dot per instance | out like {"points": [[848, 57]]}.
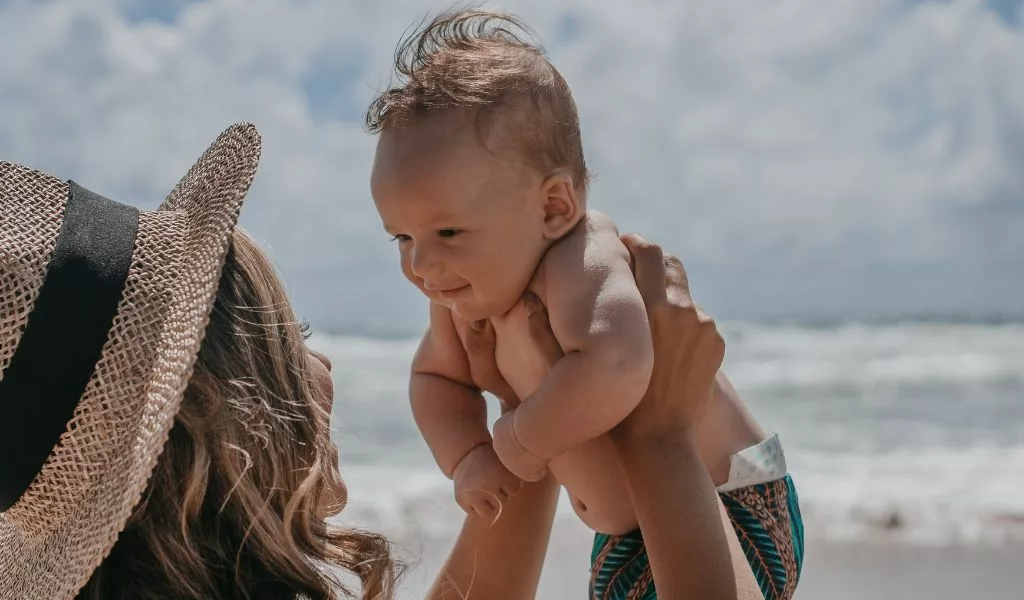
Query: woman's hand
{"points": [[479, 343], [688, 349], [483, 369], [692, 547]]}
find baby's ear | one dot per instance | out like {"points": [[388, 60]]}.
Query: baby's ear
{"points": [[562, 206]]}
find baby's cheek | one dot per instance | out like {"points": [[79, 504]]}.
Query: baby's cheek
{"points": [[413, 279]]}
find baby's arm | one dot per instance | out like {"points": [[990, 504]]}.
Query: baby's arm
{"points": [[599, 318], [450, 412], [452, 417]]}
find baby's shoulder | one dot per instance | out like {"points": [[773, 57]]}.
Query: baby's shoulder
{"points": [[591, 252], [599, 224], [593, 241]]}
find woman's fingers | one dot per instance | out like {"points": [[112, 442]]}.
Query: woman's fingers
{"points": [[688, 347], [648, 268], [677, 286], [709, 352], [540, 329], [480, 339]]}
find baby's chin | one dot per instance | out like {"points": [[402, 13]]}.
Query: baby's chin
{"points": [[471, 307], [467, 313], [466, 310]]}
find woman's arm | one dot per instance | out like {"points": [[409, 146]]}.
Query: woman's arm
{"points": [[691, 545], [503, 560]]}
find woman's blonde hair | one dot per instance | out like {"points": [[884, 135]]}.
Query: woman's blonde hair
{"points": [[231, 508]]}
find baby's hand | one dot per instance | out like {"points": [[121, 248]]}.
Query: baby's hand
{"points": [[523, 463], [483, 484]]}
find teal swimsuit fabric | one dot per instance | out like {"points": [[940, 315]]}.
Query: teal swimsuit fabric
{"points": [[767, 521]]}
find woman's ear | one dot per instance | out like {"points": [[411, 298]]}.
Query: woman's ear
{"points": [[562, 206]]}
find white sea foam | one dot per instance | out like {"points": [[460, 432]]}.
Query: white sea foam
{"points": [[864, 355], [934, 498], [908, 432]]}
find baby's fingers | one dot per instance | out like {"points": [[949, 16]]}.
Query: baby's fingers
{"points": [[466, 502], [513, 486], [488, 505], [489, 508]]}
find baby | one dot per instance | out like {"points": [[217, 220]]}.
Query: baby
{"points": [[480, 179], [487, 199]]}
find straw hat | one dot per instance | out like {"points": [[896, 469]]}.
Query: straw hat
{"points": [[102, 311]]}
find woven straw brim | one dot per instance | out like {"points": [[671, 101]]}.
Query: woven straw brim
{"points": [[69, 519]]}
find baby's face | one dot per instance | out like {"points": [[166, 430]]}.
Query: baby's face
{"points": [[469, 225]]}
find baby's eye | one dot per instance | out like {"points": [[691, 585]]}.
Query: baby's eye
{"points": [[401, 238], [448, 233]]}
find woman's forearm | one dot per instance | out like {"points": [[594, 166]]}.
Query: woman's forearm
{"points": [[502, 560], [690, 543]]}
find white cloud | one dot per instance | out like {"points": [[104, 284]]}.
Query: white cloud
{"points": [[756, 139]]}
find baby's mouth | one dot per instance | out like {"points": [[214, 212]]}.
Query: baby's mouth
{"points": [[452, 292]]}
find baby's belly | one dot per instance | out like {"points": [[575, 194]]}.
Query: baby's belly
{"points": [[593, 476], [596, 481]]}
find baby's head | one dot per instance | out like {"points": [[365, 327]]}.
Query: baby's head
{"points": [[479, 166]]}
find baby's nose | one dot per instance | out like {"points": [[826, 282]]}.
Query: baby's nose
{"points": [[425, 264]]}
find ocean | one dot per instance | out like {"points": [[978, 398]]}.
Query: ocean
{"points": [[909, 432]]}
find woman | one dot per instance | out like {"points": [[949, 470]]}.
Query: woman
{"points": [[165, 430]]}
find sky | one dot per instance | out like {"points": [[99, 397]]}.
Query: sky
{"points": [[849, 158]]}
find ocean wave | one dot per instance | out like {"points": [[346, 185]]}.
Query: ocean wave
{"points": [[761, 356], [908, 432], [871, 355], [931, 498]]}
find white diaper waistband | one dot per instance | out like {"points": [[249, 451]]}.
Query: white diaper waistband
{"points": [[755, 465]]}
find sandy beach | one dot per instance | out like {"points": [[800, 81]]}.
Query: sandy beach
{"points": [[884, 572], [832, 571]]}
